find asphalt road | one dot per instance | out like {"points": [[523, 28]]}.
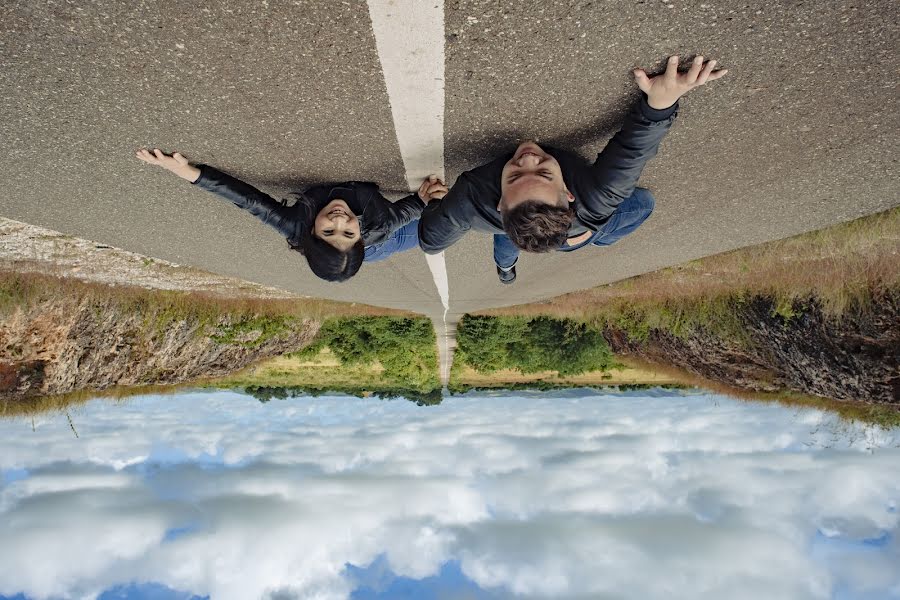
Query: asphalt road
{"points": [[802, 133]]}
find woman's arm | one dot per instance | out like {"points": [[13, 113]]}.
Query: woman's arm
{"points": [[241, 194]]}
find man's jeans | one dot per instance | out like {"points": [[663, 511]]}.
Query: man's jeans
{"points": [[628, 216], [403, 239]]}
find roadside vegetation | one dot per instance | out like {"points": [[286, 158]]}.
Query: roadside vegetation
{"points": [[842, 268], [531, 345], [61, 339], [462, 375], [361, 356], [159, 307], [808, 320]]}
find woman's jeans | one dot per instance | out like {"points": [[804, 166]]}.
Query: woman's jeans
{"points": [[628, 216], [402, 239]]}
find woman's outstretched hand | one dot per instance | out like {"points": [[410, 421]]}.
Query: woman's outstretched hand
{"points": [[176, 163], [432, 188], [664, 90]]}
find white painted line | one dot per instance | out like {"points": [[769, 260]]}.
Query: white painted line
{"points": [[438, 268], [409, 35]]}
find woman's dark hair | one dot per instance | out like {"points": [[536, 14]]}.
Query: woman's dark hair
{"points": [[326, 261]]}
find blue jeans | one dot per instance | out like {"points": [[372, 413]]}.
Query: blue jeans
{"points": [[628, 216], [401, 240]]}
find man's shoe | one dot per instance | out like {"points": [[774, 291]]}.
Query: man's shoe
{"points": [[506, 276]]}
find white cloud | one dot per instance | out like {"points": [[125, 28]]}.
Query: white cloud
{"points": [[643, 497]]}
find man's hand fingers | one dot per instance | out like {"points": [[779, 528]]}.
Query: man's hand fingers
{"points": [[695, 70], [672, 68], [180, 158], [643, 82], [716, 75], [145, 156], [705, 73], [437, 188]]}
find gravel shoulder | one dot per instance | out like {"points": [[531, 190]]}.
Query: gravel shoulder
{"points": [[32, 249]]}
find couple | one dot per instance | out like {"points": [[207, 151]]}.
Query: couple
{"points": [[538, 200]]}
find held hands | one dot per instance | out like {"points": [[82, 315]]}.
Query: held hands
{"points": [[665, 89], [176, 163], [432, 188]]}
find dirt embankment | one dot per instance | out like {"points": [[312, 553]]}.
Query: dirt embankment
{"points": [[71, 344], [852, 357]]}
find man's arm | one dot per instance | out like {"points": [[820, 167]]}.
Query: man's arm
{"points": [[241, 194], [444, 222], [619, 166]]}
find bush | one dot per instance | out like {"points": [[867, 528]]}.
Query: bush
{"points": [[531, 345], [405, 347]]}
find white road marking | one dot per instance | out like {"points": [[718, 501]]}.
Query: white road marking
{"points": [[409, 36], [438, 268]]}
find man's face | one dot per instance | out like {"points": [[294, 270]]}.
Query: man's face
{"points": [[337, 225], [531, 174]]}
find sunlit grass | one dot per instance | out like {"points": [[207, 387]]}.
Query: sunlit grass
{"points": [[843, 267], [24, 290]]}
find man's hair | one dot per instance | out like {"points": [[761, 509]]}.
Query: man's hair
{"points": [[536, 226], [326, 261]]}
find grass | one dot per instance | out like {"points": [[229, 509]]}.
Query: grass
{"points": [[843, 267], [461, 374], [323, 372], [31, 407], [247, 322], [869, 414], [319, 371], [160, 308]]}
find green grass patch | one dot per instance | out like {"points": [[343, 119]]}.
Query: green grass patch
{"points": [[252, 331]]}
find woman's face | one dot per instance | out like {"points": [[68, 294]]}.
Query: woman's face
{"points": [[337, 225]]}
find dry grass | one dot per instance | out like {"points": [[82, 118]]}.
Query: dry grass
{"points": [[62, 403], [280, 371], [30, 289], [629, 375], [842, 266], [872, 414], [322, 370]]}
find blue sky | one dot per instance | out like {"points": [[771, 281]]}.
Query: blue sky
{"points": [[577, 494]]}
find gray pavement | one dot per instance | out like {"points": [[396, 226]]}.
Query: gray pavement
{"points": [[801, 134]]}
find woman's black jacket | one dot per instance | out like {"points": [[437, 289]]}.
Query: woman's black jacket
{"points": [[378, 216]]}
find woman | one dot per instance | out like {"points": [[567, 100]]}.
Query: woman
{"points": [[336, 227]]}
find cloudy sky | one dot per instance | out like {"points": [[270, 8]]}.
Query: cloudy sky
{"points": [[574, 495]]}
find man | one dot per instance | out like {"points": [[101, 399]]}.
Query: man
{"points": [[544, 199]]}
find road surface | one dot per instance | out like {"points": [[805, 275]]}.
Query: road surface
{"points": [[802, 133]]}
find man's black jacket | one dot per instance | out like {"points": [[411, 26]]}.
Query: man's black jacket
{"points": [[598, 188], [378, 216]]}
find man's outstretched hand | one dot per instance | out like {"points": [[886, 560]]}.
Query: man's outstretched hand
{"points": [[664, 90], [176, 163]]}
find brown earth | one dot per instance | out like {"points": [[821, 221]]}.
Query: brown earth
{"points": [[855, 356], [73, 343]]}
